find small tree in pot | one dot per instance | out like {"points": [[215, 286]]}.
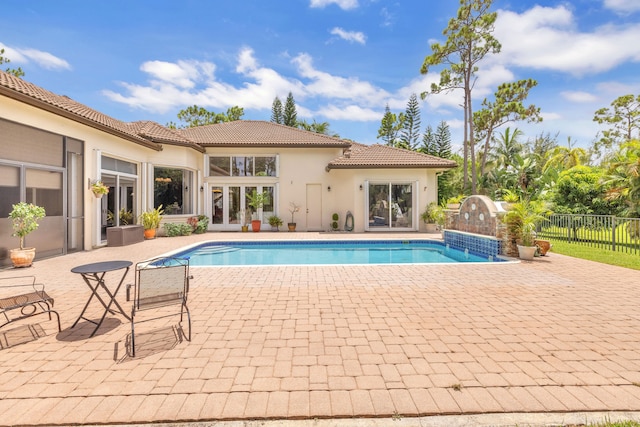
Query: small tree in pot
{"points": [[256, 202], [522, 220], [293, 208], [25, 217]]}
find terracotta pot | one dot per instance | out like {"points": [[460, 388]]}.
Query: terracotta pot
{"points": [[544, 246], [150, 233], [22, 257], [291, 226], [255, 225], [245, 228]]}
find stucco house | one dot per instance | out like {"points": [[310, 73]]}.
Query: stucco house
{"points": [[52, 148]]}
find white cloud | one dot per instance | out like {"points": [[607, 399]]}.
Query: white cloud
{"points": [[326, 85], [547, 38], [43, 59], [349, 112], [350, 36], [173, 85], [578, 96], [342, 4], [623, 6]]}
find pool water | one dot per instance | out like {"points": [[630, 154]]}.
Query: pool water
{"points": [[325, 253]]}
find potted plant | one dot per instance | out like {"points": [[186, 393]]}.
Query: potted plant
{"points": [[454, 202], [433, 217], [293, 208], [521, 221], [99, 189], [275, 222], [244, 219], [334, 222], [151, 221], [256, 201], [25, 217]]}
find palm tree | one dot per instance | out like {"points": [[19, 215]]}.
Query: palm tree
{"points": [[566, 157], [507, 148], [623, 178]]}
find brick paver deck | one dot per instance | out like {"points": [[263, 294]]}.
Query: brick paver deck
{"points": [[554, 335]]}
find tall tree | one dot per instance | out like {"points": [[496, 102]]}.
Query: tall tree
{"points": [[198, 116], [15, 71], [469, 40], [411, 126], [390, 127], [322, 127], [428, 142], [623, 178], [276, 112], [443, 140], [290, 115], [624, 119], [506, 107]]}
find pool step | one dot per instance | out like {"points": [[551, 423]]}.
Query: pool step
{"points": [[216, 250]]}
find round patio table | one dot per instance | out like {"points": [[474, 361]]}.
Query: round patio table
{"points": [[94, 276]]}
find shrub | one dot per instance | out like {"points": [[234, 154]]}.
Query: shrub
{"points": [[177, 229]]}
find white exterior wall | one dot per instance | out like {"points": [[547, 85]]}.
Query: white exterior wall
{"points": [[346, 194], [96, 141]]}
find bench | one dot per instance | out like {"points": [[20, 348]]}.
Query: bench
{"points": [[22, 297], [124, 235]]}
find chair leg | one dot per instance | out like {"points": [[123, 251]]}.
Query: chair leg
{"points": [[133, 339]]}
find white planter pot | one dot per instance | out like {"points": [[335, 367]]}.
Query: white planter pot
{"points": [[526, 252]]}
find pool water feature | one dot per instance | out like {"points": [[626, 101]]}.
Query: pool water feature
{"points": [[329, 252]]}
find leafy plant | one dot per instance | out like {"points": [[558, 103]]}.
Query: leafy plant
{"points": [[151, 219], [257, 200], [25, 217], [523, 219], [275, 221], [177, 229], [98, 188], [433, 214]]}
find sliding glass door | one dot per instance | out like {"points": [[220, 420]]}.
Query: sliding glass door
{"points": [[390, 206]]}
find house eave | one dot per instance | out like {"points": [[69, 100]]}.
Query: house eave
{"points": [[26, 99]]}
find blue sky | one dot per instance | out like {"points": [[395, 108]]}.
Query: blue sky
{"points": [[343, 60]]}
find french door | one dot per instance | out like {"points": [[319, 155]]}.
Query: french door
{"points": [[390, 206], [230, 208]]}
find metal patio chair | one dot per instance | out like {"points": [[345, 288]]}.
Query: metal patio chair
{"points": [[159, 284], [22, 297]]}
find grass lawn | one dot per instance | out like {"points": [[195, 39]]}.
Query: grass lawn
{"points": [[596, 254]]}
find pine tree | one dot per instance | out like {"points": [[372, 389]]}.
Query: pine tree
{"points": [[442, 140], [411, 126], [276, 112], [290, 116], [428, 142], [390, 126]]}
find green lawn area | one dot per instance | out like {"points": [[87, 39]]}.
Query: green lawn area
{"points": [[604, 256]]}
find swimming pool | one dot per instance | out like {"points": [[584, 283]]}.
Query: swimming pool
{"points": [[325, 252]]}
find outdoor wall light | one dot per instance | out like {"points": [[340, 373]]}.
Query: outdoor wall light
{"points": [[202, 188], [329, 188], [360, 187]]}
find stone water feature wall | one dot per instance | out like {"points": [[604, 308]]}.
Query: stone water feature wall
{"points": [[476, 227]]}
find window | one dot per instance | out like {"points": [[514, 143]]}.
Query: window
{"points": [[242, 166], [390, 205], [172, 189]]}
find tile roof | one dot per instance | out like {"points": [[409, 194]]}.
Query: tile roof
{"points": [[149, 134], [256, 133], [240, 133], [382, 156], [157, 133]]}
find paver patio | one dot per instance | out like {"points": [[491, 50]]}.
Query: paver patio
{"points": [[554, 335]]}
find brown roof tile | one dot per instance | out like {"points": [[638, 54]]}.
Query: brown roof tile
{"points": [[157, 133], [255, 133], [382, 156]]}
